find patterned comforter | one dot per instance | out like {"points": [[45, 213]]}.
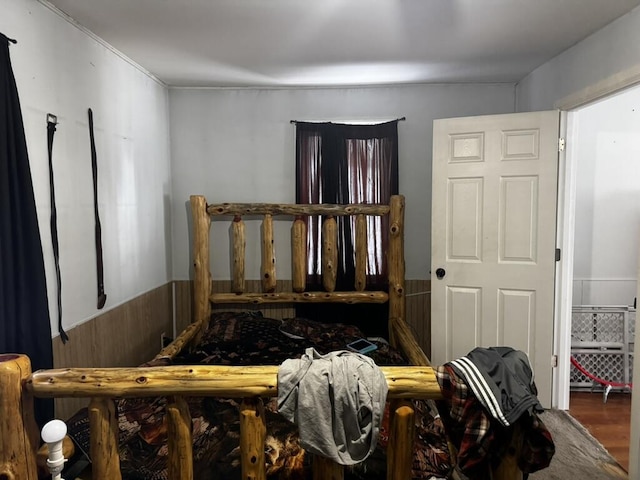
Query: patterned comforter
{"points": [[250, 339]]}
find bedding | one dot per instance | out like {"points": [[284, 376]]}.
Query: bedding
{"points": [[249, 339]]}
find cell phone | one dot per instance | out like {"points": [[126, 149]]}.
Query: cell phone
{"points": [[362, 346]]}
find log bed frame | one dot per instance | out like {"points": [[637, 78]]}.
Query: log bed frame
{"points": [[19, 438]]}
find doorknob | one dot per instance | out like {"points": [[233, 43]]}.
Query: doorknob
{"points": [[440, 273]]}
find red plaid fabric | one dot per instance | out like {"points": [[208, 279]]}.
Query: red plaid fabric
{"points": [[480, 439]]}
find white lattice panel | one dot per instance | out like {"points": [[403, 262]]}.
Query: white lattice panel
{"points": [[602, 343]]}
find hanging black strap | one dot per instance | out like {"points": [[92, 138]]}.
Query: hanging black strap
{"points": [[102, 297], [51, 130]]}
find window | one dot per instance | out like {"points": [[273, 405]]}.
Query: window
{"points": [[339, 163]]}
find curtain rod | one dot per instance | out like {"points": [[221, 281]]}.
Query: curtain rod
{"points": [[12, 40], [401, 119]]}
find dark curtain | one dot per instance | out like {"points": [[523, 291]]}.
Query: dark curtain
{"points": [[24, 309], [339, 163]]}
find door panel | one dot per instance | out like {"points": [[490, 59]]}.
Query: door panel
{"points": [[493, 233]]}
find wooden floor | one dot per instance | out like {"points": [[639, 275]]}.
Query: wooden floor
{"points": [[609, 423]]}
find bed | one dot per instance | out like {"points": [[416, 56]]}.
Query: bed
{"points": [[184, 371]]}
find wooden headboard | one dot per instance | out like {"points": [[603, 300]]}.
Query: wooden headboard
{"points": [[399, 332]]}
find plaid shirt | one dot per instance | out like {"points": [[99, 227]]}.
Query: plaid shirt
{"points": [[480, 439]]}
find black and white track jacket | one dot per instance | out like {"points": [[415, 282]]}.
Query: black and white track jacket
{"points": [[502, 380]]}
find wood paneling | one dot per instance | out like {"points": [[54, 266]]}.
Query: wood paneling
{"points": [[127, 335], [183, 304], [419, 311]]}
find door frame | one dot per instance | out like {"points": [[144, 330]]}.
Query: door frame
{"points": [[565, 234], [567, 171]]}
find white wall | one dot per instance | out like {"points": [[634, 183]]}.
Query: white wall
{"points": [[238, 145], [62, 70], [611, 50], [607, 200]]}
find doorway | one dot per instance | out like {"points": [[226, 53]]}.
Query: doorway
{"points": [[602, 175]]}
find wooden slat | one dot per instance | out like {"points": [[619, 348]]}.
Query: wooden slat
{"points": [[329, 253], [239, 245], [18, 432], [209, 380], [268, 270], [180, 444], [306, 297], [105, 461], [326, 469], [401, 436], [253, 432], [299, 255], [295, 209], [361, 253]]}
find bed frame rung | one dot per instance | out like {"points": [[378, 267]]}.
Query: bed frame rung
{"points": [[326, 469], [400, 449], [103, 424], [180, 444], [305, 297], [253, 433]]}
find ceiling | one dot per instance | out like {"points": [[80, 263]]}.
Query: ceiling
{"points": [[253, 43]]}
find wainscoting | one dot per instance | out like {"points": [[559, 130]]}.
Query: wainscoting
{"points": [[125, 336]]}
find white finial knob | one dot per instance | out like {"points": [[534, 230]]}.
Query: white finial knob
{"points": [[54, 431]]}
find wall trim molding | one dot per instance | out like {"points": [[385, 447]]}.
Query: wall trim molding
{"points": [[101, 41], [610, 85]]}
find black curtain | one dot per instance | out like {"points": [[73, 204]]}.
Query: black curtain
{"points": [[340, 163], [24, 309]]}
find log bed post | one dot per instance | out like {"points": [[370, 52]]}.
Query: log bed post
{"points": [[395, 265], [402, 432], [326, 469], [18, 431], [202, 274], [180, 458], [103, 422]]}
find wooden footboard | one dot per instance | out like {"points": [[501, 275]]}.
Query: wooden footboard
{"points": [[251, 384]]}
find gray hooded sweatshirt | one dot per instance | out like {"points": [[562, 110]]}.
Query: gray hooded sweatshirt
{"points": [[337, 400]]}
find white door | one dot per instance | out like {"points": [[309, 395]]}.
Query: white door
{"points": [[493, 237]]}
